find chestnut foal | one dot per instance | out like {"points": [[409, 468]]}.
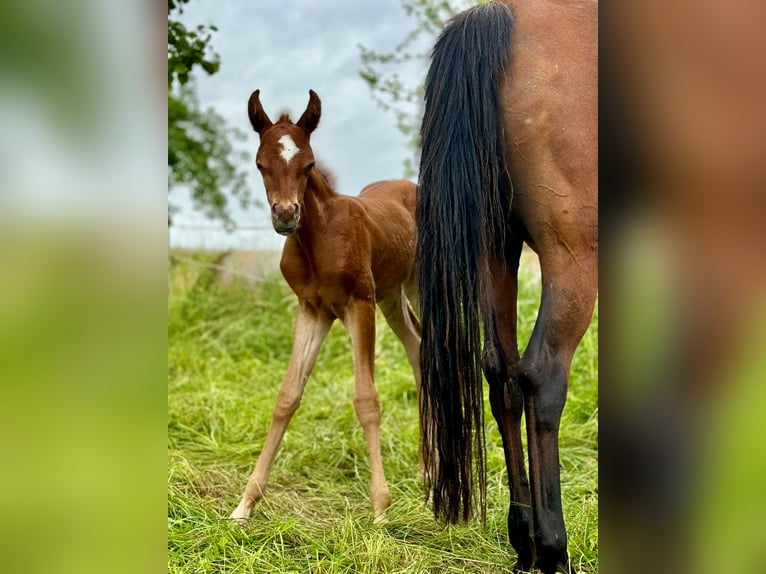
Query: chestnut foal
{"points": [[342, 255]]}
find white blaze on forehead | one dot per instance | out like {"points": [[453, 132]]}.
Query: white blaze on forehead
{"points": [[289, 149]]}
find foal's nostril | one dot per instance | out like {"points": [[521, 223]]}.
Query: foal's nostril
{"points": [[296, 209], [274, 208]]}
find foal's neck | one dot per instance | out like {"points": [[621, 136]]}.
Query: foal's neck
{"points": [[318, 194], [319, 188], [315, 209]]}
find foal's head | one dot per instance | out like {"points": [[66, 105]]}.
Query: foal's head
{"points": [[285, 159]]}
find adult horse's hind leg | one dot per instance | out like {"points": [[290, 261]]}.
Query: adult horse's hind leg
{"points": [[500, 361], [569, 281], [311, 328], [360, 321]]}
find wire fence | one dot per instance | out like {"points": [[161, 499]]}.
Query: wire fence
{"points": [[210, 237]]}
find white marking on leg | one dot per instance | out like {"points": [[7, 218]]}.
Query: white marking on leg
{"points": [[289, 149]]}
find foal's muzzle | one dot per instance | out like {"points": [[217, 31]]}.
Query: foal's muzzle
{"points": [[285, 217]]}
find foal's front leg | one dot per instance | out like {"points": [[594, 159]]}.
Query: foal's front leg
{"points": [[360, 321], [311, 328]]}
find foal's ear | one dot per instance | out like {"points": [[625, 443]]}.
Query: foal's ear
{"points": [[258, 118], [310, 118]]}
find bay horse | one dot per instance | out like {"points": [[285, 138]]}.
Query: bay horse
{"points": [[509, 156], [342, 256]]}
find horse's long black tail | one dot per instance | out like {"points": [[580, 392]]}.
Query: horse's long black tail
{"points": [[459, 217]]}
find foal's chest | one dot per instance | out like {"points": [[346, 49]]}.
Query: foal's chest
{"points": [[325, 282]]}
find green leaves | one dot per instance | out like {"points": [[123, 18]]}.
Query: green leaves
{"points": [[202, 157], [189, 48], [200, 153], [394, 91]]}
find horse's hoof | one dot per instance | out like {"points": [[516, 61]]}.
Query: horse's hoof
{"points": [[519, 568], [523, 567], [559, 568], [525, 561]]}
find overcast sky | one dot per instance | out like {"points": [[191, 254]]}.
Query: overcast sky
{"points": [[286, 47]]}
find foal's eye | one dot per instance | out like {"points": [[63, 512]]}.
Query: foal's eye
{"points": [[309, 167]]}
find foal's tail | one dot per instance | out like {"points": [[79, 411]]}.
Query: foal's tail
{"points": [[460, 219]]}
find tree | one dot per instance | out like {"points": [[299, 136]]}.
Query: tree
{"points": [[200, 153], [381, 71]]}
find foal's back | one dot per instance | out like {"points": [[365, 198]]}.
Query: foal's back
{"points": [[389, 214]]}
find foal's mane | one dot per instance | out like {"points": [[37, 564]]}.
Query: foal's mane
{"points": [[328, 175]]}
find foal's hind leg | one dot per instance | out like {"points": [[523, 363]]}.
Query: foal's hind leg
{"points": [[568, 296], [360, 321], [500, 361], [410, 288], [405, 326], [311, 328]]}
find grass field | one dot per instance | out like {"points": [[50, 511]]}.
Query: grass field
{"points": [[227, 354]]}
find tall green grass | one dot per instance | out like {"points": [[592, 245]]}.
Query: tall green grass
{"points": [[227, 354]]}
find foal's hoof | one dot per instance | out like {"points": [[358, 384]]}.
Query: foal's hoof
{"points": [[241, 513], [381, 500], [380, 512]]}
